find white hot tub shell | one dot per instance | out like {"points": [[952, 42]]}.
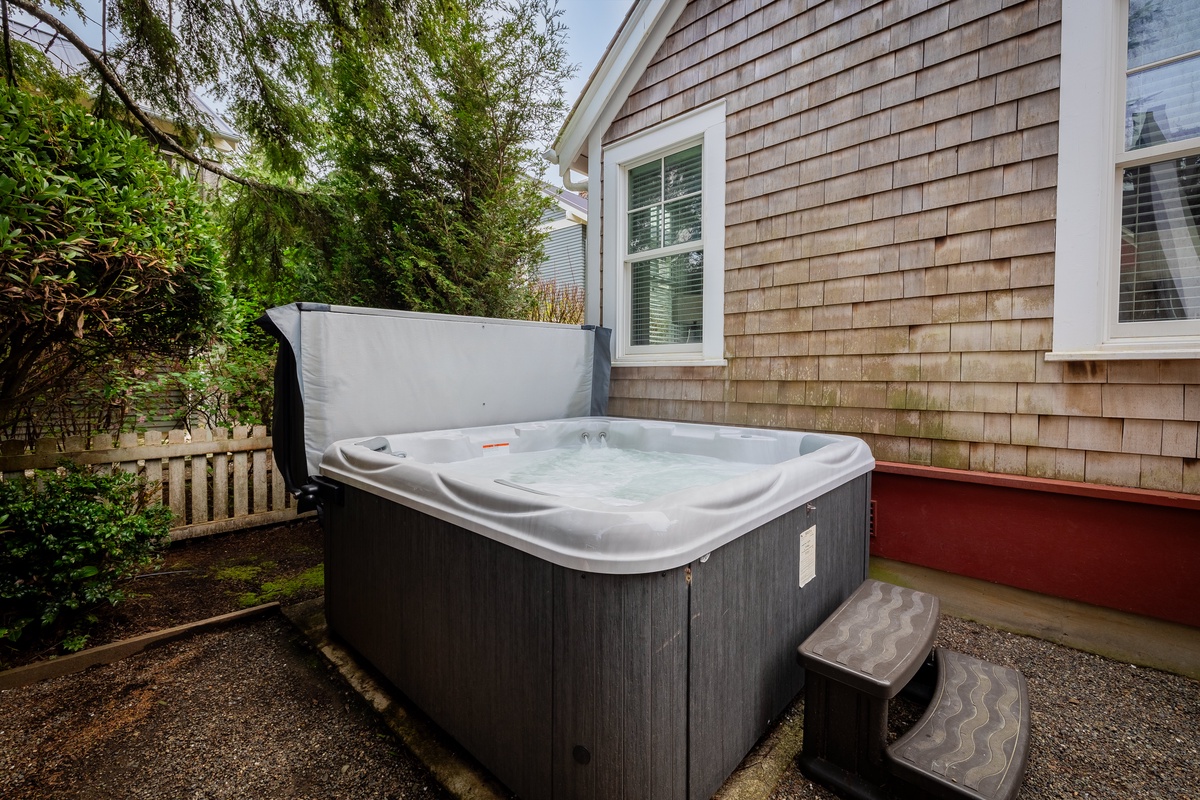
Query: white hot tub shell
{"points": [[451, 475]]}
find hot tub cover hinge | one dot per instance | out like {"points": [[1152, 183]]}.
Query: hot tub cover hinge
{"points": [[317, 492]]}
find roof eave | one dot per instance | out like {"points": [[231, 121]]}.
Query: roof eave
{"points": [[639, 37]]}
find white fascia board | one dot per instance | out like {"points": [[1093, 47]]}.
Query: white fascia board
{"points": [[574, 216], [636, 43], [559, 224]]}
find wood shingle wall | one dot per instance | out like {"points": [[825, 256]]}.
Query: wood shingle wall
{"points": [[890, 203]]}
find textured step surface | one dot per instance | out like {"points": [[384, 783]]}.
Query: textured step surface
{"points": [[973, 740], [876, 640]]}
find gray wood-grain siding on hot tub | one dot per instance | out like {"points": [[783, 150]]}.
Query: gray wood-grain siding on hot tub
{"points": [[572, 685]]}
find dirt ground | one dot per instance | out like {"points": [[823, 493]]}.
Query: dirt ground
{"points": [[248, 711], [201, 578]]}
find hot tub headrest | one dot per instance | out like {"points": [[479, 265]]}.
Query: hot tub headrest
{"points": [[344, 372]]}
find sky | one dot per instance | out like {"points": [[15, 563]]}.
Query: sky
{"points": [[591, 24]]}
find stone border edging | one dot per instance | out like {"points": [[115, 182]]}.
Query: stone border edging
{"points": [[108, 653], [760, 772]]}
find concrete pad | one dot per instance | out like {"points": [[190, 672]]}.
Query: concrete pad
{"points": [[1118, 635]]}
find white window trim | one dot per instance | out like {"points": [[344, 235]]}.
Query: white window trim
{"points": [[704, 125], [1091, 145]]}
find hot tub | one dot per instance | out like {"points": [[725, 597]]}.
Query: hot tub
{"points": [[601, 494], [583, 631]]}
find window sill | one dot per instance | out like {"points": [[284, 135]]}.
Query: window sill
{"points": [[669, 362], [1128, 353]]}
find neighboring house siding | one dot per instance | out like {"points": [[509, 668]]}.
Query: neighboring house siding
{"points": [[890, 202], [564, 256]]}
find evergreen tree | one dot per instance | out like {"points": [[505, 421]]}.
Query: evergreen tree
{"points": [[426, 204], [263, 59], [390, 140]]}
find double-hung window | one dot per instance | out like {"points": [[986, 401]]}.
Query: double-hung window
{"points": [[1127, 272], [663, 262], [664, 252]]}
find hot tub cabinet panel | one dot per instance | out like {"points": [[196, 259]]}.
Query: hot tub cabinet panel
{"points": [[460, 624], [747, 610], [620, 686], [575, 685]]}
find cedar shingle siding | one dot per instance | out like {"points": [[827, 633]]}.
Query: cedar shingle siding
{"points": [[890, 202]]}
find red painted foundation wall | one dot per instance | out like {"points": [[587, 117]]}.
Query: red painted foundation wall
{"points": [[1128, 549]]}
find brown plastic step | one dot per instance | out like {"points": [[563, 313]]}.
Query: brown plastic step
{"points": [[875, 641], [973, 741]]}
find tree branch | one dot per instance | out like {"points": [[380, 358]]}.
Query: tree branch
{"points": [[8, 62], [111, 80]]}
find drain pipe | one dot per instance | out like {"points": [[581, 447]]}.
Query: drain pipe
{"points": [[568, 184], [574, 186]]}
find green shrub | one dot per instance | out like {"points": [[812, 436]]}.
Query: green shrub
{"points": [[69, 537], [228, 382], [106, 252]]}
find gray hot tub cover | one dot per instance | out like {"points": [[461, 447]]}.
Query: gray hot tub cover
{"points": [[344, 372]]}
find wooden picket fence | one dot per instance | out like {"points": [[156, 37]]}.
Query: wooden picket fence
{"points": [[213, 481]]}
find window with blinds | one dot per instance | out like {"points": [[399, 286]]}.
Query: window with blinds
{"points": [[1160, 168], [664, 250]]}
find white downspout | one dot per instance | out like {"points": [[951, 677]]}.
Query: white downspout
{"points": [[574, 186], [568, 184]]}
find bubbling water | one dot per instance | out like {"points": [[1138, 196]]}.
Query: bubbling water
{"points": [[609, 474]]}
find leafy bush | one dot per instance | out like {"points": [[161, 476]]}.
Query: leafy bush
{"points": [[106, 252], [69, 537], [228, 382], [112, 396]]}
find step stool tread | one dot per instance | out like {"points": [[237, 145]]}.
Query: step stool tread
{"points": [[973, 740], [876, 640]]}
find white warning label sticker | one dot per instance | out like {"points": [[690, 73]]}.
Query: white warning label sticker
{"points": [[808, 555]]}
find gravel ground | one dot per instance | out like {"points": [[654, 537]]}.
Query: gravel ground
{"points": [[245, 712], [251, 712]]}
